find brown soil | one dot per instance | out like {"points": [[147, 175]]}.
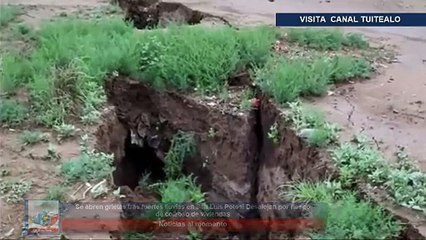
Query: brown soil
{"points": [[258, 166], [368, 104]]}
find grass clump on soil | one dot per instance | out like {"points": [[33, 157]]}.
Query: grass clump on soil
{"points": [[65, 131], [323, 39], [32, 137], [57, 193], [90, 166], [181, 60], [14, 191], [404, 182], [287, 79], [8, 13], [346, 217], [64, 73], [181, 190], [12, 112], [312, 126]]}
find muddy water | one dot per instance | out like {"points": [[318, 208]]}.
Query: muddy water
{"points": [[391, 107]]}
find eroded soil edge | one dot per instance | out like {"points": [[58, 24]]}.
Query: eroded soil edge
{"points": [[239, 163]]}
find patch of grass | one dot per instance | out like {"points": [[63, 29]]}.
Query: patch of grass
{"points": [[14, 191], [312, 125], [15, 71], [346, 217], [66, 69], [57, 193], [182, 146], [170, 65], [176, 191], [32, 137], [404, 182], [325, 39], [255, 44], [12, 112], [286, 79], [90, 166], [8, 13]]}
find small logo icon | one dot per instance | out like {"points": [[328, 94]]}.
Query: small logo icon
{"points": [[42, 217]]}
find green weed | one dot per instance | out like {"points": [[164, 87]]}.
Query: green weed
{"points": [[12, 112], [8, 13], [323, 39], [312, 126], [89, 166], [182, 146], [346, 217], [65, 131], [14, 191], [57, 193], [404, 182], [286, 79], [181, 190], [32, 137]]}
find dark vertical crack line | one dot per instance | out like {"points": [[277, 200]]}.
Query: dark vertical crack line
{"points": [[258, 131]]}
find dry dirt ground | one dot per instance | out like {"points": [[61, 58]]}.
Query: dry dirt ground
{"points": [[390, 107]]}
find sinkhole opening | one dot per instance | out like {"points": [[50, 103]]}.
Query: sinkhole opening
{"points": [[138, 162]]}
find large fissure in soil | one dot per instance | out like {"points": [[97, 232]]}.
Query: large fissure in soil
{"points": [[146, 14], [239, 163], [138, 161]]}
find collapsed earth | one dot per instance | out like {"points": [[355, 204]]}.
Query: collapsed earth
{"points": [[134, 101]]}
